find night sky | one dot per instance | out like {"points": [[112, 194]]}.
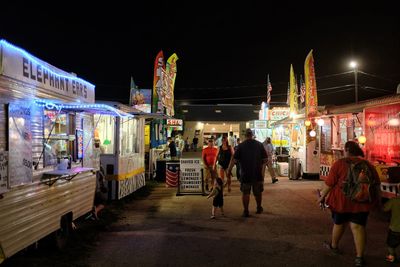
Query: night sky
{"points": [[225, 51]]}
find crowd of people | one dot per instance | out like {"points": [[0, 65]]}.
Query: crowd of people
{"points": [[348, 208]]}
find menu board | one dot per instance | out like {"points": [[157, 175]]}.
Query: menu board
{"points": [[3, 171], [20, 143], [190, 178]]}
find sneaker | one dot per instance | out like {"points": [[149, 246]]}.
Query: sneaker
{"points": [[275, 180], [359, 262], [246, 214], [259, 210], [212, 217], [390, 258], [328, 245]]}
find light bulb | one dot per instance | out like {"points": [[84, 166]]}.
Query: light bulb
{"points": [[313, 133], [362, 139], [320, 122], [307, 123]]}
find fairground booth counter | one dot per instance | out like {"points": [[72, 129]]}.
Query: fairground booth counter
{"points": [[121, 142], [375, 125], [304, 152], [48, 161]]}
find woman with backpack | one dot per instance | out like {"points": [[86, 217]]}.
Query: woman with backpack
{"points": [[352, 190]]}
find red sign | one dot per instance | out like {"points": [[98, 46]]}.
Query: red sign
{"points": [[174, 122], [382, 130]]}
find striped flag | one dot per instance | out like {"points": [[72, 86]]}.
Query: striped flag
{"points": [[269, 90], [172, 174], [302, 90]]}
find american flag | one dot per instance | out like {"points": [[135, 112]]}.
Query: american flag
{"points": [[302, 90], [269, 90], [172, 173]]}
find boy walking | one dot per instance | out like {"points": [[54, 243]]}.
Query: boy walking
{"points": [[393, 237], [218, 197]]}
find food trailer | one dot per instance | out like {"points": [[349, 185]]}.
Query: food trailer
{"points": [[121, 142], [375, 125], [47, 158]]}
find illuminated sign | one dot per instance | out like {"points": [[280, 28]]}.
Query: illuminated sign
{"points": [[277, 114], [20, 65], [79, 144], [174, 122], [261, 124]]}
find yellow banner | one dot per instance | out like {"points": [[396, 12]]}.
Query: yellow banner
{"points": [[171, 72], [311, 86], [292, 92]]}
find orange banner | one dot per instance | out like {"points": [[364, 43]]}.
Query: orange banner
{"points": [[158, 89]]}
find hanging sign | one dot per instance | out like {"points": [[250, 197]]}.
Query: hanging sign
{"points": [[190, 178]]}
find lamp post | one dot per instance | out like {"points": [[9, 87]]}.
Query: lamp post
{"points": [[354, 66]]}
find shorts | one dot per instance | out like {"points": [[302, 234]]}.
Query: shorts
{"points": [[257, 187], [359, 218], [393, 239], [218, 202]]}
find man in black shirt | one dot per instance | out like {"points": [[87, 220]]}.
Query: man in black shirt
{"points": [[252, 158], [195, 142], [172, 148]]}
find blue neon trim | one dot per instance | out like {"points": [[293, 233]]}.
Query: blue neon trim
{"points": [[35, 60], [58, 106]]}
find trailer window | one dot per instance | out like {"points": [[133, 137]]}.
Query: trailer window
{"points": [[104, 134], [56, 133], [326, 136], [128, 136]]}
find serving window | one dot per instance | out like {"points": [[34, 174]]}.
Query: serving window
{"points": [[104, 134], [128, 136]]}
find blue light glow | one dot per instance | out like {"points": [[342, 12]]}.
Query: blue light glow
{"points": [[99, 108], [34, 59]]}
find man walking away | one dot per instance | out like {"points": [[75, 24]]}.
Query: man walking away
{"points": [[252, 158], [269, 148]]}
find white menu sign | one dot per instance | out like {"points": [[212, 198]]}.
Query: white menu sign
{"points": [[190, 178]]}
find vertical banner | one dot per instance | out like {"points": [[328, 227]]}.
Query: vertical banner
{"points": [[292, 93], [158, 88], [311, 86], [171, 72], [269, 90]]}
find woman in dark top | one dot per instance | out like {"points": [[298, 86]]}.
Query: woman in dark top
{"points": [[225, 155]]}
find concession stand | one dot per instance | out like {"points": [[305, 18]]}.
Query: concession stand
{"points": [[47, 155]]}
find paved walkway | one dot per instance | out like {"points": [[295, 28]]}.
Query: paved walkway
{"points": [[169, 230]]}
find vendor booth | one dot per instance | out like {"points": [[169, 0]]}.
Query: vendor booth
{"points": [[47, 154], [121, 142]]}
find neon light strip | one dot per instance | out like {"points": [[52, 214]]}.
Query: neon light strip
{"points": [[34, 59], [53, 105]]}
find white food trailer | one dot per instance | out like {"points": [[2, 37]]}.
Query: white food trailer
{"points": [[48, 161]]}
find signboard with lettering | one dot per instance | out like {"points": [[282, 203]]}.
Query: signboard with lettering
{"points": [[260, 124], [20, 142], [276, 114], [22, 66], [3, 171], [190, 178]]}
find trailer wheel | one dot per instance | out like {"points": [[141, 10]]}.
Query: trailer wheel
{"points": [[63, 234]]}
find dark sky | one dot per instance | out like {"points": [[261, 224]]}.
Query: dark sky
{"points": [[225, 50]]}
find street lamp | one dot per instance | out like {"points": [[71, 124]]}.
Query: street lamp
{"points": [[354, 65]]}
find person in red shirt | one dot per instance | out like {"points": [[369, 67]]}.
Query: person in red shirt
{"points": [[344, 210], [209, 156]]}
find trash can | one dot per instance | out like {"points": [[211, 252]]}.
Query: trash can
{"points": [[294, 168]]}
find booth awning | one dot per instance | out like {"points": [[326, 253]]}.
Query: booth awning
{"points": [[84, 107]]}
